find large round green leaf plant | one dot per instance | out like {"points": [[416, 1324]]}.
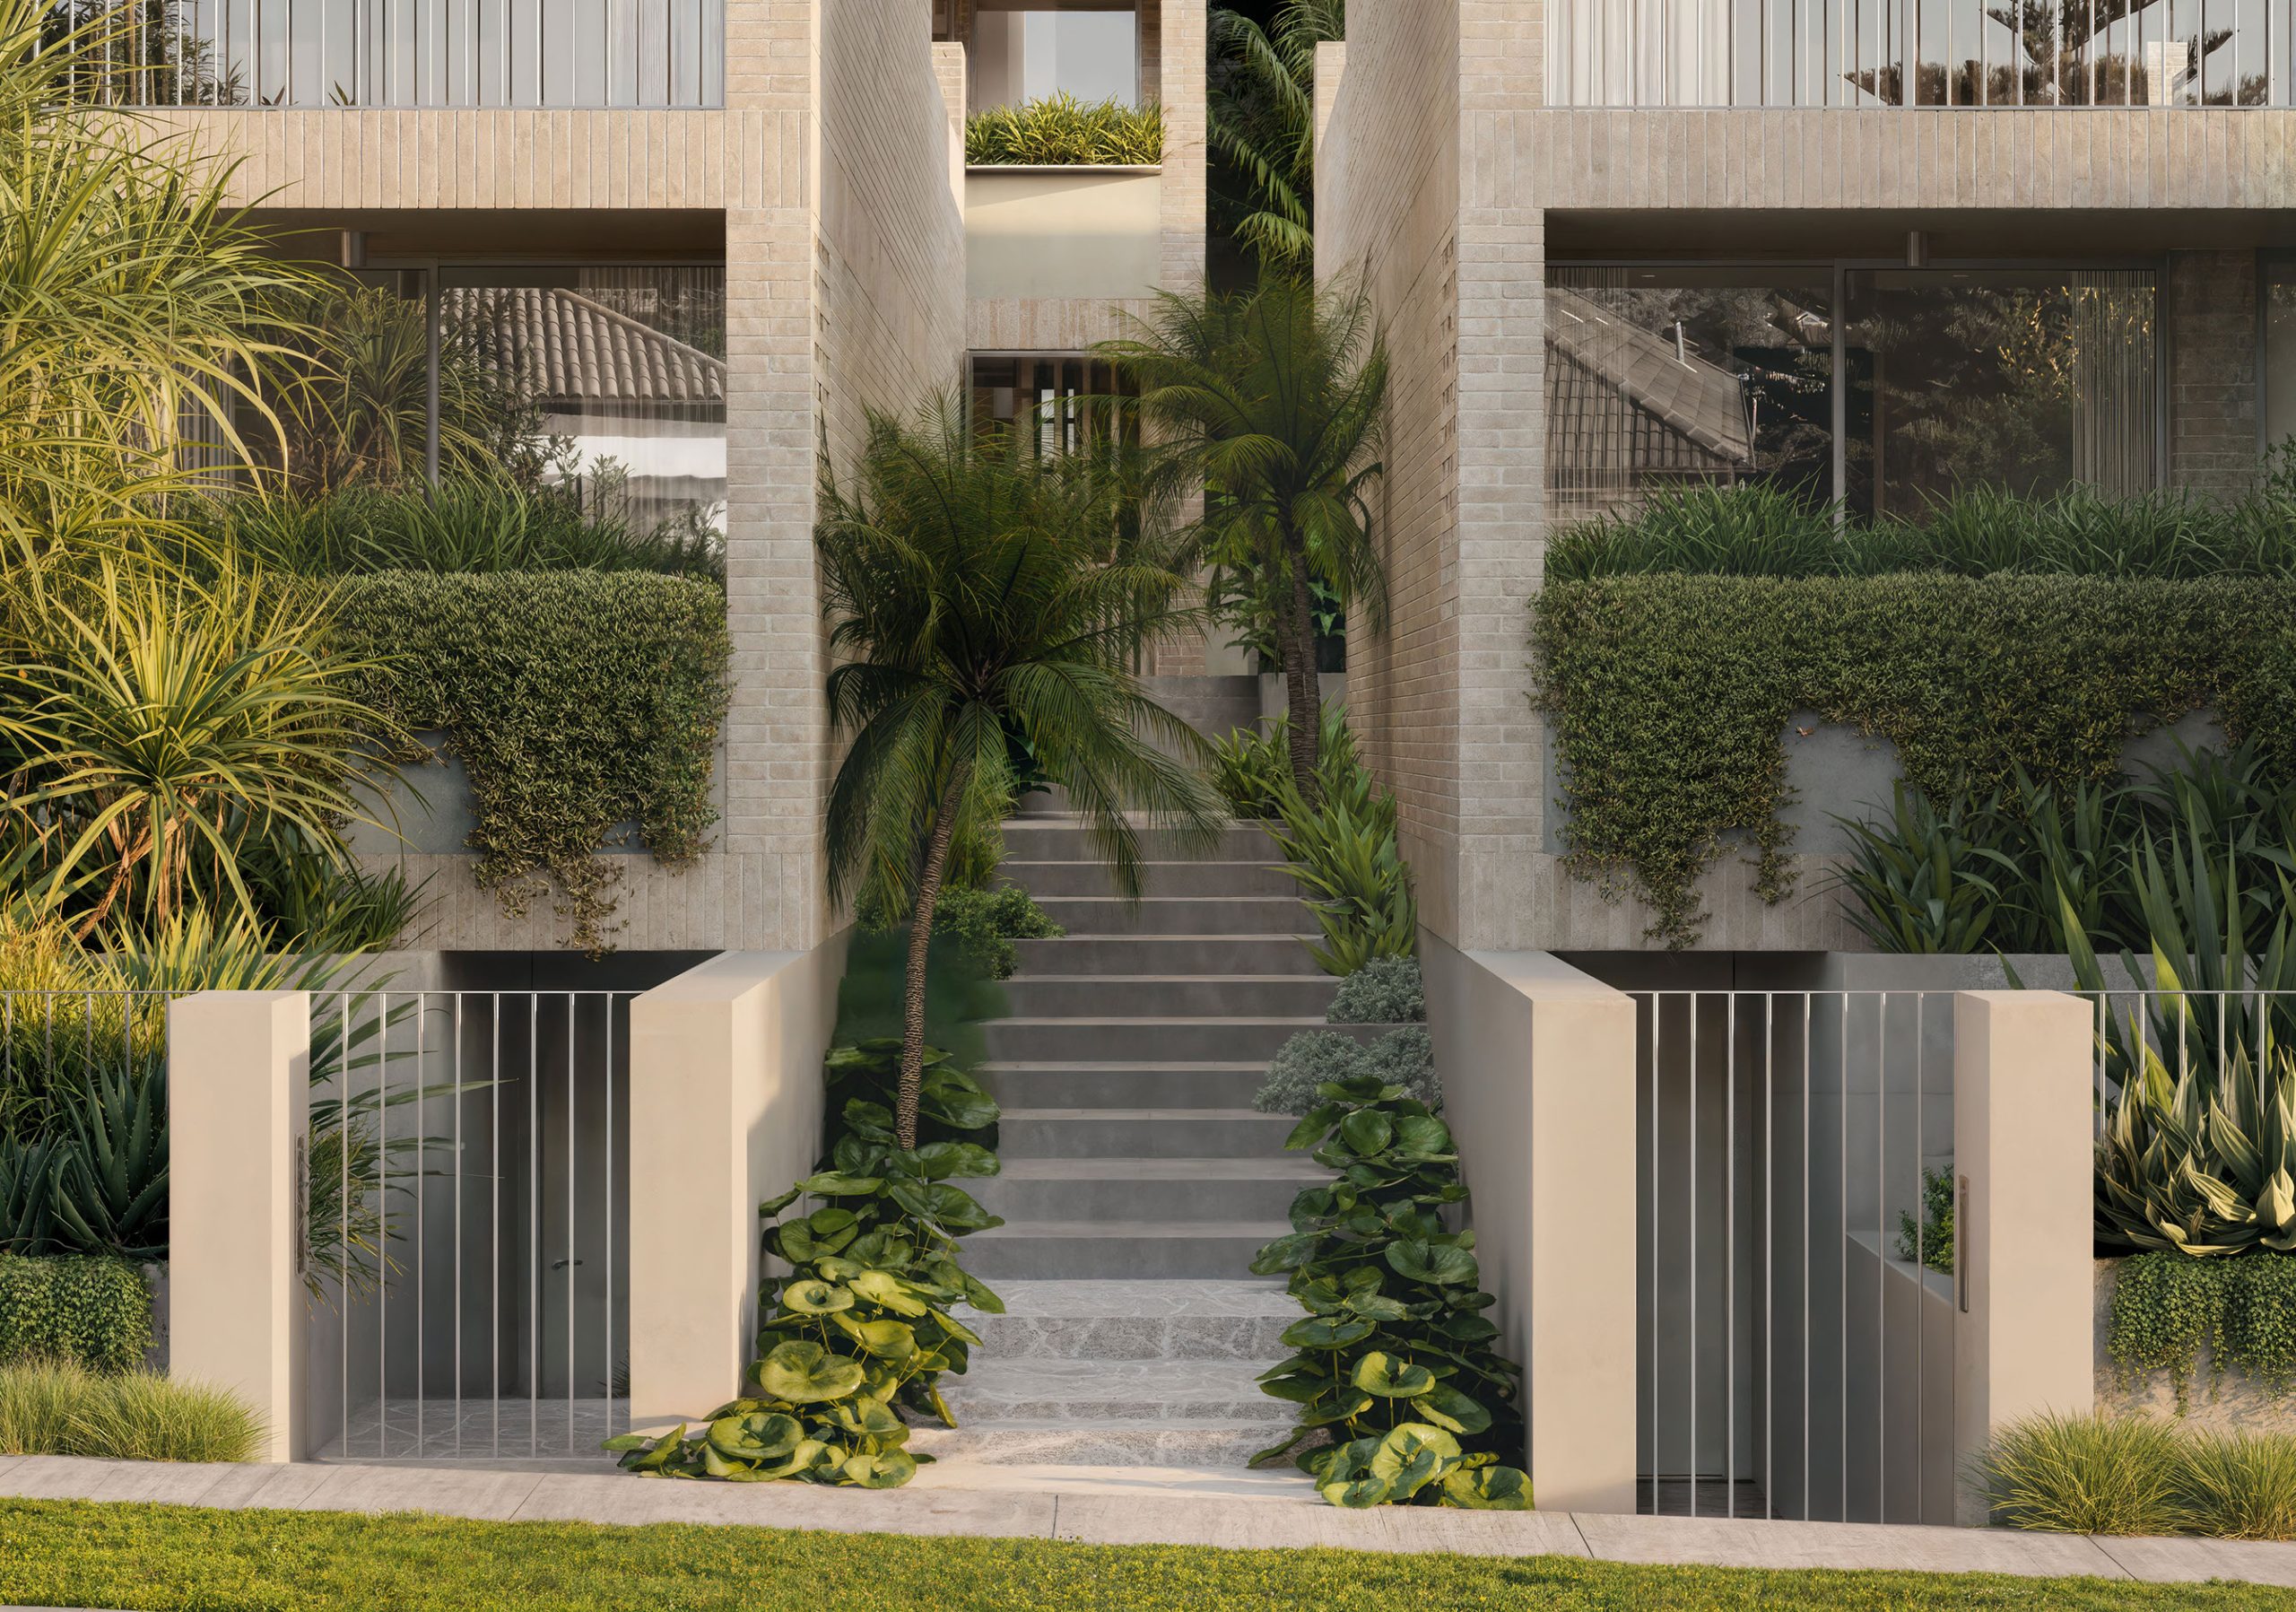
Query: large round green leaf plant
{"points": [[1394, 1361]]}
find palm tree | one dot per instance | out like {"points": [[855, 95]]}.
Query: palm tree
{"points": [[1261, 118], [975, 589], [1275, 401]]}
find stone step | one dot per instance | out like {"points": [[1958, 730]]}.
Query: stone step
{"points": [[1174, 1189], [1285, 954], [1084, 916], [1041, 879], [1139, 1392], [1049, 839], [1138, 1320], [1170, 996], [1141, 1133], [1121, 1450], [1131, 1250], [1044, 1041], [1167, 1087]]}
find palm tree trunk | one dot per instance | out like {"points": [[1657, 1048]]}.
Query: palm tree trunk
{"points": [[1295, 638], [920, 943]]}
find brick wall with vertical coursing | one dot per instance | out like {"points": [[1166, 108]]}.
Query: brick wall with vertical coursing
{"points": [[1387, 213], [2211, 298]]}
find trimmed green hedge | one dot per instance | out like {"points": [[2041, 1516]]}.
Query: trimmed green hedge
{"points": [[88, 1312], [577, 700], [1669, 696]]}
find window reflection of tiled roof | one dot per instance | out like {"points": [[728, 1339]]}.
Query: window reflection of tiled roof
{"points": [[571, 349], [1681, 414]]}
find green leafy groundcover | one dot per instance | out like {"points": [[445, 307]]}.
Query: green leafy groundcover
{"points": [[577, 700], [1669, 696], [177, 1559], [1394, 1361]]}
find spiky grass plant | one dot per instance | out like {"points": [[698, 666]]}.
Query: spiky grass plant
{"points": [[2089, 1475], [1062, 131], [2243, 1484], [56, 1409]]}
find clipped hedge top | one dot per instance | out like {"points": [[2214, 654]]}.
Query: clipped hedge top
{"points": [[1669, 696], [577, 700]]}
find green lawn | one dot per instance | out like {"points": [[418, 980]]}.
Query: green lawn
{"points": [[160, 1558]]}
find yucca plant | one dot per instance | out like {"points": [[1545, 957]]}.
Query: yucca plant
{"points": [[1060, 130], [160, 720]]}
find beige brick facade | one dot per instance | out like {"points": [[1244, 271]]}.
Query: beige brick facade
{"points": [[828, 175], [1444, 181]]}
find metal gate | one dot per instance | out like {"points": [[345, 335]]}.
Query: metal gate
{"points": [[1797, 1338], [467, 1243]]}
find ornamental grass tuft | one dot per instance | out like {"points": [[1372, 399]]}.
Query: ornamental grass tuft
{"points": [[2090, 1474], [55, 1408]]}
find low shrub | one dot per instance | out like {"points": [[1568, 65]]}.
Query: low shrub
{"points": [[52, 1407], [984, 923], [1394, 1361], [95, 1313], [578, 700], [2089, 1475], [465, 523], [1929, 1241], [1385, 990], [1344, 851], [1313, 1059], [1060, 130]]}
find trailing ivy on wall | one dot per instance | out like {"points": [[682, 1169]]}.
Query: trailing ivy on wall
{"points": [[2168, 1307], [1670, 695], [578, 700]]}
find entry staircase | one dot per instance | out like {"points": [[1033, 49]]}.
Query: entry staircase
{"points": [[1137, 1179]]}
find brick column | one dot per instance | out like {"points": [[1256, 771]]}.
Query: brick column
{"points": [[2210, 300]]}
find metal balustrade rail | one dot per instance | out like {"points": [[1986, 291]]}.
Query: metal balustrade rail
{"points": [[1795, 1361], [1974, 54], [400, 53], [471, 1267]]}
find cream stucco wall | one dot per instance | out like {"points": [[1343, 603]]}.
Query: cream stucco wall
{"points": [[1082, 234]]}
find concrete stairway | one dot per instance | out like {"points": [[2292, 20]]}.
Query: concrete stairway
{"points": [[1138, 1180]]}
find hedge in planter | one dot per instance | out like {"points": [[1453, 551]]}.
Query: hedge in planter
{"points": [[577, 699], [1669, 694], [73, 1310]]}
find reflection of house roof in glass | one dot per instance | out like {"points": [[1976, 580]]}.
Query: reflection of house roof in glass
{"points": [[576, 351], [1682, 412]]}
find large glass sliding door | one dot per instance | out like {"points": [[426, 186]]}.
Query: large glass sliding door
{"points": [[1882, 389]]}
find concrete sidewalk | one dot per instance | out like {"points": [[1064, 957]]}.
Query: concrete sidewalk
{"points": [[1150, 1514]]}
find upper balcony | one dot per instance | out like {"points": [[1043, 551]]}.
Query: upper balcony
{"points": [[1974, 54], [553, 54]]}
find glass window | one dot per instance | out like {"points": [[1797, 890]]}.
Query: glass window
{"points": [[1063, 399], [1659, 375], [609, 381], [2025, 379], [1022, 55], [2279, 280]]}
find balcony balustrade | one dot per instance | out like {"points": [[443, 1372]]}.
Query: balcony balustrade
{"points": [[1974, 54], [403, 53]]}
